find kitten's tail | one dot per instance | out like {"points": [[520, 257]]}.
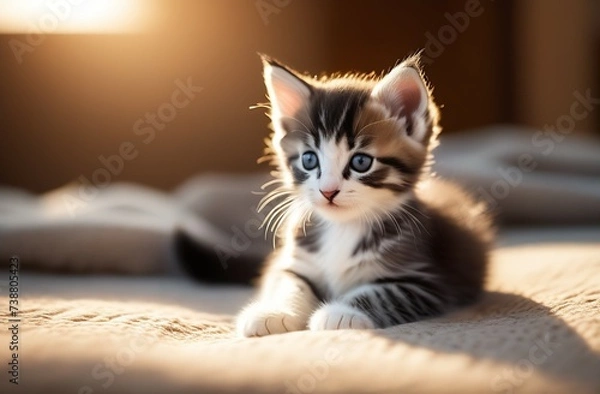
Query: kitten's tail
{"points": [[210, 262]]}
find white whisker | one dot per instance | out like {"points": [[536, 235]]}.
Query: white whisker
{"points": [[302, 124], [271, 196], [274, 213], [372, 124]]}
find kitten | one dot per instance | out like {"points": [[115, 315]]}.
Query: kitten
{"points": [[369, 238]]}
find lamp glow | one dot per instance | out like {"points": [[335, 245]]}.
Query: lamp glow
{"points": [[72, 16]]}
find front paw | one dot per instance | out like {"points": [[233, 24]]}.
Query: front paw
{"points": [[258, 320], [339, 317]]}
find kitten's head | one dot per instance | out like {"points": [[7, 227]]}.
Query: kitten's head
{"points": [[350, 147]]}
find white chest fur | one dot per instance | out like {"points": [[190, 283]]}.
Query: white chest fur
{"points": [[339, 267], [335, 266]]}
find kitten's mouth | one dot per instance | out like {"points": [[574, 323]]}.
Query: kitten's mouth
{"points": [[330, 206]]}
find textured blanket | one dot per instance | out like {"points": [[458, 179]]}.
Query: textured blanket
{"points": [[537, 329]]}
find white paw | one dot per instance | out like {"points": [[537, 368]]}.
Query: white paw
{"points": [[339, 317], [258, 320]]}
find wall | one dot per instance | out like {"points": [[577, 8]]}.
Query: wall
{"points": [[75, 98]]}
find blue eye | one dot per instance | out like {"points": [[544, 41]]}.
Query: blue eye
{"points": [[361, 162], [309, 161]]}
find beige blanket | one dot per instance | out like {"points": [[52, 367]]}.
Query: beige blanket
{"points": [[536, 330]]}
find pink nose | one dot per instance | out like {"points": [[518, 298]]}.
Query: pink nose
{"points": [[330, 194]]}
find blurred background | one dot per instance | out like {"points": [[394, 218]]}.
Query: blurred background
{"points": [[167, 85]]}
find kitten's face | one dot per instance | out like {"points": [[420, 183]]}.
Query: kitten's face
{"points": [[350, 148]]}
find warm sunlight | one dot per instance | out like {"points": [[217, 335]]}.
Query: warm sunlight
{"points": [[72, 16], [299, 196]]}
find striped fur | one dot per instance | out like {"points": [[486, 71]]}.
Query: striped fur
{"points": [[362, 247]]}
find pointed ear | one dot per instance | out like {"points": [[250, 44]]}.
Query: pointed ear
{"points": [[287, 91], [403, 92]]}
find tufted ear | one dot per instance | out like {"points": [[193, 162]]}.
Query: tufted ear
{"points": [[403, 92], [287, 91]]}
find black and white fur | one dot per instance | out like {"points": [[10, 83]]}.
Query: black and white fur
{"points": [[362, 247]]}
